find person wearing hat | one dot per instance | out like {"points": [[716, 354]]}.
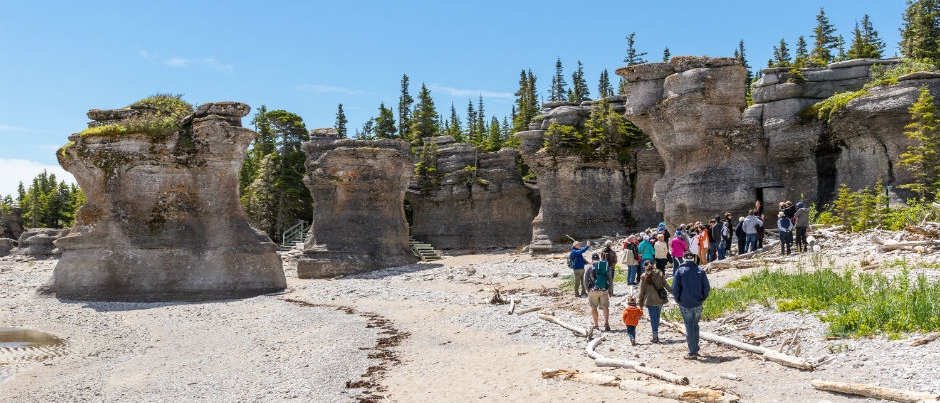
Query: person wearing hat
{"points": [[801, 223], [577, 258]]}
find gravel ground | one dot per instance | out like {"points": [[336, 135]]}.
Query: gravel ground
{"points": [[424, 332]]}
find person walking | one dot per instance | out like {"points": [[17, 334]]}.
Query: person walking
{"points": [[678, 248], [801, 223], [785, 228], [647, 253], [576, 258], [651, 282], [631, 317], [599, 277], [690, 288]]}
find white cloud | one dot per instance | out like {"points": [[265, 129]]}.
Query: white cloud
{"points": [[14, 171], [8, 128], [470, 93], [322, 89], [207, 63]]}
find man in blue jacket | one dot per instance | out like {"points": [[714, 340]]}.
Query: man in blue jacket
{"points": [[690, 288], [577, 260]]}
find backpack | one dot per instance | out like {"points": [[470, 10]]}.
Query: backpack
{"points": [[600, 275], [570, 262]]}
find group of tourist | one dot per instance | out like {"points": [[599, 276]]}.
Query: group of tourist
{"points": [[646, 256]]}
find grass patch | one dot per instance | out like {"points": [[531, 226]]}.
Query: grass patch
{"points": [[853, 304]]}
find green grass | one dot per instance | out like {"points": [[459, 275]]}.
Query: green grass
{"points": [[164, 121], [853, 304]]}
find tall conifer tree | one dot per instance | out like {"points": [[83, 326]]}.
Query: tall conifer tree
{"points": [[424, 123], [920, 32], [558, 91], [824, 39], [633, 57], [340, 124], [404, 109], [604, 88], [579, 89], [385, 123]]}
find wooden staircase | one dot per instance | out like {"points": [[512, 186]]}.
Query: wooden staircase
{"points": [[293, 236], [424, 251]]}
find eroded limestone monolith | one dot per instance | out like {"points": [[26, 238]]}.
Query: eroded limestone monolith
{"points": [[358, 189], [162, 218]]}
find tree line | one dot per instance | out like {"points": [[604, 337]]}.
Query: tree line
{"points": [[46, 203]]}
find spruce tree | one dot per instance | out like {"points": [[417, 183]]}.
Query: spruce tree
{"points": [[404, 109], [781, 55], [558, 91], [526, 106], [471, 122], [748, 76], [920, 32], [367, 132], [865, 41], [633, 57], [424, 123], [604, 89], [666, 55], [579, 89], [921, 158], [385, 123], [494, 136], [340, 124], [824, 39], [801, 54], [453, 126]]}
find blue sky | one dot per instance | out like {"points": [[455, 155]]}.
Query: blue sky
{"points": [[58, 59]]}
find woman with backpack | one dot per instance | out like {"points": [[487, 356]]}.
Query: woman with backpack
{"points": [[647, 253], [653, 295], [785, 226]]}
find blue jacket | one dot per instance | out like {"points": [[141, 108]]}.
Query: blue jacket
{"points": [[577, 257], [690, 285]]}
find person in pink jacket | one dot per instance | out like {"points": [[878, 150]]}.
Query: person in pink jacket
{"points": [[678, 248]]}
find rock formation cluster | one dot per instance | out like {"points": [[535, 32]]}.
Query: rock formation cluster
{"points": [[162, 220]]}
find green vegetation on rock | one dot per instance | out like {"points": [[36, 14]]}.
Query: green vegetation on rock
{"points": [[160, 116]]}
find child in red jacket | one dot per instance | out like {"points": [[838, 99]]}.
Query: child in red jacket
{"points": [[631, 317]]}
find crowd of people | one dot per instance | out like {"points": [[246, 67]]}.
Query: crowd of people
{"points": [[647, 255]]}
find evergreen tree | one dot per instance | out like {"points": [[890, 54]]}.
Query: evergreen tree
{"points": [[453, 126], [865, 41], [824, 39], [579, 89], [840, 48], [494, 136], [633, 57], [263, 144], [471, 122], [260, 198], [367, 132], [920, 32], [781, 55], [742, 59], [47, 203], [527, 106], [666, 55], [341, 121], [425, 121], [481, 123], [558, 90], [922, 157], [385, 123], [801, 54], [604, 89], [404, 109]]}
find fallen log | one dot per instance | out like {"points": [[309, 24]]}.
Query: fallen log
{"points": [[527, 310], [589, 349], [512, 306], [877, 392], [610, 362], [578, 376], [766, 353], [683, 393], [601, 361], [661, 374], [578, 330], [890, 246], [925, 339], [929, 232]]}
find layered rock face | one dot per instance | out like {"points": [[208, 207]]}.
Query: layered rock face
{"points": [[481, 203], [162, 220], [582, 198], [800, 154], [40, 241], [358, 189], [691, 110], [868, 134], [11, 223]]}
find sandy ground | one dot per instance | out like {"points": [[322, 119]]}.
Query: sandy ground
{"points": [[425, 332]]}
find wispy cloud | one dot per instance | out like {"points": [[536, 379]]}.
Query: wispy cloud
{"points": [[470, 93], [207, 63], [323, 89], [17, 129]]}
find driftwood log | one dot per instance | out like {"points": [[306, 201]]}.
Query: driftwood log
{"points": [[527, 310], [578, 330], [601, 361], [928, 232], [683, 393], [766, 353], [877, 392], [890, 246], [925, 339]]}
